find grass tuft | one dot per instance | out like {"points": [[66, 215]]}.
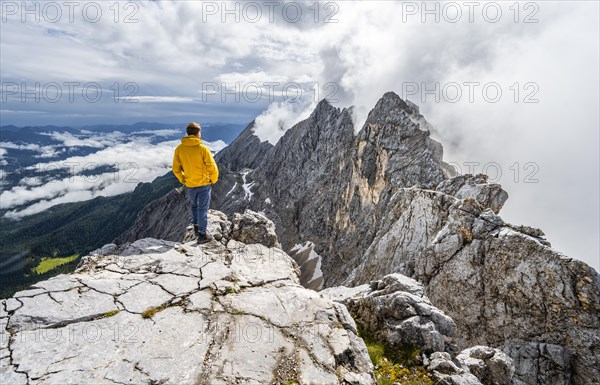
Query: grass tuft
{"points": [[394, 365], [111, 313], [151, 311]]}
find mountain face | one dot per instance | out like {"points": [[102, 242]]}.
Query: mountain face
{"points": [[324, 184], [353, 208], [244, 151]]}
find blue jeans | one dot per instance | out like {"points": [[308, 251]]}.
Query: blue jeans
{"points": [[200, 201]]}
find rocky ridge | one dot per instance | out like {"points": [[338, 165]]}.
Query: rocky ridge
{"points": [[159, 312], [228, 312], [383, 201]]}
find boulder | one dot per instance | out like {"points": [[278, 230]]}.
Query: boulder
{"points": [[252, 227], [396, 310]]}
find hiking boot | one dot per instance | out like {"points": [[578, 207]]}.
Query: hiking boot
{"points": [[203, 238], [196, 230]]}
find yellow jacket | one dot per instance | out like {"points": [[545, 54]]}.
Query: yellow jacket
{"points": [[193, 163]]}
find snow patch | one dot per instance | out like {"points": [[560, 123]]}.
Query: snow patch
{"points": [[299, 248], [247, 186], [233, 188]]}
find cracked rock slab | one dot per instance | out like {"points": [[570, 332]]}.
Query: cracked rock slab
{"points": [[211, 314], [143, 297]]}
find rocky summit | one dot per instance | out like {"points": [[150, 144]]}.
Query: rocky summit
{"points": [[159, 312]]}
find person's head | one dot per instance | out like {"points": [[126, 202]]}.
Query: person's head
{"points": [[193, 129]]}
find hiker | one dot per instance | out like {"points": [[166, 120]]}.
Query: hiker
{"points": [[194, 166]]}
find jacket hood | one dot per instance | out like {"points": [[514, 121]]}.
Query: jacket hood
{"points": [[191, 140]]}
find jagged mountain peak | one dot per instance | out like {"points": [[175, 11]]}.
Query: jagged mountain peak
{"points": [[324, 106], [246, 151], [394, 116], [391, 101]]}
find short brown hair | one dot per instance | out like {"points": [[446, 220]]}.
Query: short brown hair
{"points": [[193, 128]]}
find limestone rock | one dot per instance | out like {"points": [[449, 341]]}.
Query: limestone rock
{"points": [[516, 293], [446, 372], [251, 227], [174, 313], [219, 227], [487, 195], [413, 219], [542, 363], [395, 310], [491, 366]]}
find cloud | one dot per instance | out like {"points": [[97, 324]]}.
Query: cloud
{"points": [[77, 188], [43, 151], [95, 140], [280, 116], [215, 146], [131, 163], [162, 99], [50, 153], [14, 146], [165, 132]]}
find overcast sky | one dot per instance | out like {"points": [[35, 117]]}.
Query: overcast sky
{"points": [[512, 87]]}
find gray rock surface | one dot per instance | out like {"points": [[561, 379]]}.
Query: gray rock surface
{"points": [[542, 363], [488, 195], [491, 366], [446, 372], [174, 313], [413, 219], [252, 227], [516, 293], [396, 310]]}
